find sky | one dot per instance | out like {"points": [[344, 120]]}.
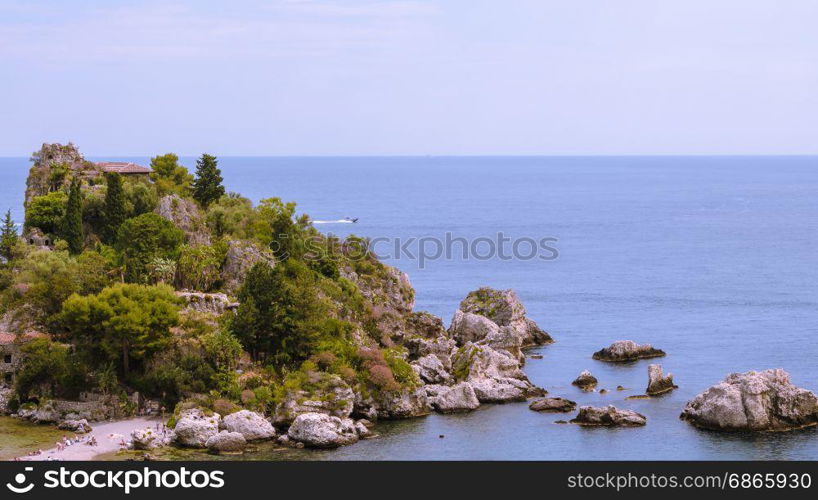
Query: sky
{"points": [[410, 77]]}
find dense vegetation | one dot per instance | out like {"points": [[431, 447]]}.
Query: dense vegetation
{"points": [[120, 249]]}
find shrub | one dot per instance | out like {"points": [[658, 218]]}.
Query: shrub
{"points": [[382, 377], [224, 407], [46, 212], [198, 267], [142, 239]]}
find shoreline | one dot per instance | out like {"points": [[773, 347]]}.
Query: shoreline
{"points": [[108, 435]]}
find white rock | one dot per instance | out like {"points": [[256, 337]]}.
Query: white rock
{"points": [[754, 401], [194, 428], [318, 430], [226, 442], [249, 424], [457, 398]]}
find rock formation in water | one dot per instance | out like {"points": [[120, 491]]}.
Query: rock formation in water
{"points": [[553, 405], [658, 383], [226, 442], [609, 416], [753, 401], [585, 381], [496, 318], [627, 350], [317, 430]]}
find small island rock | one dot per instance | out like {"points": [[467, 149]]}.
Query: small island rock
{"points": [[754, 401], [658, 383], [609, 416], [585, 381], [556, 405], [627, 350]]}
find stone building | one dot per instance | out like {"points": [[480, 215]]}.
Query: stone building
{"points": [[11, 355]]}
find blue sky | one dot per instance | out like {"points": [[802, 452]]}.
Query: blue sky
{"points": [[376, 77]]}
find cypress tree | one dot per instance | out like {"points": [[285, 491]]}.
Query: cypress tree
{"points": [[72, 222], [114, 206], [207, 186], [8, 236]]}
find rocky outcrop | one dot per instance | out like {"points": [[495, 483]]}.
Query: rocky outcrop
{"points": [[318, 430], [250, 425], [585, 381], [147, 439], [46, 414], [753, 401], [53, 168], [553, 405], [504, 308], [185, 215], [440, 347], [431, 370], [623, 351], [406, 403], [609, 416], [452, 399], [6, 393], [226, 442], [329, 395], [658, 383], [213, 303], [240, 257], [80, 426], [194, 428], [494, 375]]}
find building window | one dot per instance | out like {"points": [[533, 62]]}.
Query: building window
{"points": [[7, 358], [7, 378]]}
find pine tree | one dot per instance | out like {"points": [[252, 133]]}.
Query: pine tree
{"points": [[8, 236], [72, 222], [114, 206], [207, 187]]}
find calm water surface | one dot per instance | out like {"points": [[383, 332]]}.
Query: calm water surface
{"points": [[710, 259]]}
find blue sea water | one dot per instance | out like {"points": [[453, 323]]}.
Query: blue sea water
{"points": [[712, 259]]}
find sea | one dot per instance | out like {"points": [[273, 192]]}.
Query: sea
{"points": [[712, 259]]}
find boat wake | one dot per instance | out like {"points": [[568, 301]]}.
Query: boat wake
{"points": [[345, 220]]}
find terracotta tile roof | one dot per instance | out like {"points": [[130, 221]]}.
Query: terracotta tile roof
{"points": [[11, 338], [123, 167]]}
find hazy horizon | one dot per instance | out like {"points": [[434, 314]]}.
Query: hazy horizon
{"points": [[410, 77]]}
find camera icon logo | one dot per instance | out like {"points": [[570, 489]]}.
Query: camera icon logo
{"points": [[20, 486]]}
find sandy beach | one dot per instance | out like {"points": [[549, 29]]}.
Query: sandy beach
{"points": [[108, 434]]}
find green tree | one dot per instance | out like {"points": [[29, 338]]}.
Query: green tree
{"points": [[140, 198], [142, 239], [8, 237], [281, 313], [49, 369], [115, 210], [170, 177], [124, 322], [46, 212], [71, 230], [207, 186]]}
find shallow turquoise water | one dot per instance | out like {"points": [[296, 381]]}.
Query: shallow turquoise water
{"points": [[711, 259]]}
